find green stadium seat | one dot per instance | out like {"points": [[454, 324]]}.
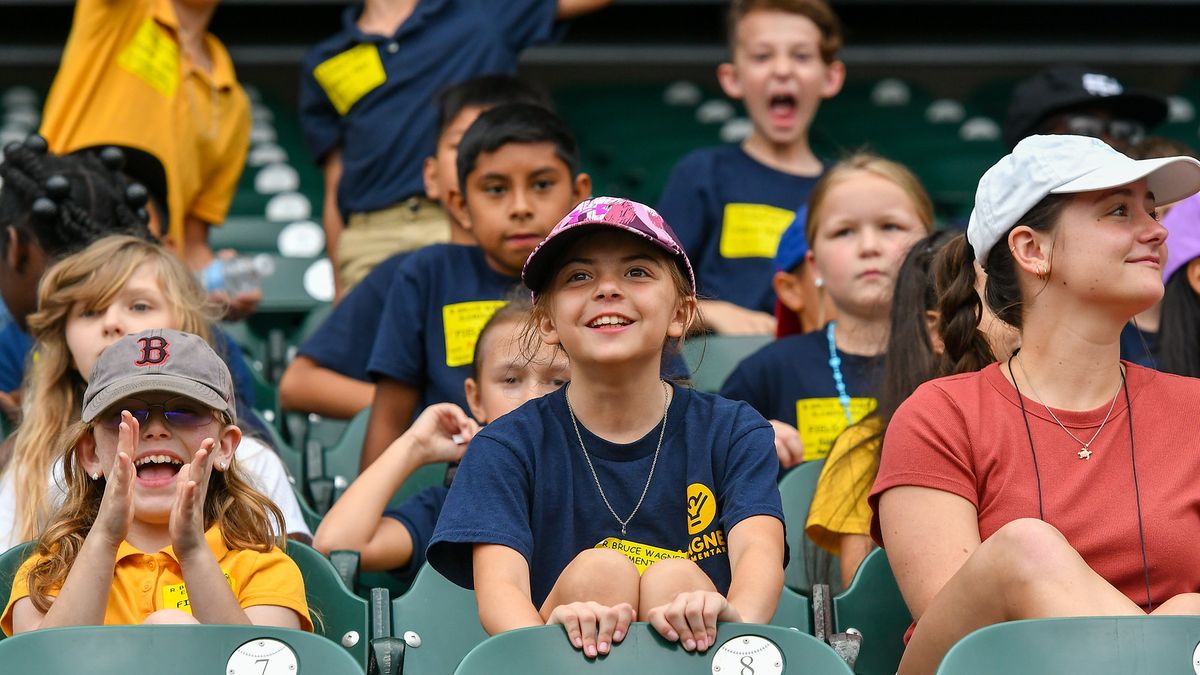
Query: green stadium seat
{"points": [[10, 562], [337, 613], [711, 358], [741, 648], [180, 650], [246, 234], [874, 607], [796, 490], [440, 622], [793, 611], [1163, 645]]}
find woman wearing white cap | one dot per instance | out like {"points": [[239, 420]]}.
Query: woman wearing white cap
{"points": [[1060, 480]]}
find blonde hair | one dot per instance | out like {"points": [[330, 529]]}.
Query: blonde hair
{"points": [[867, 162], [53, 388], [540, 310], [247, 518]]}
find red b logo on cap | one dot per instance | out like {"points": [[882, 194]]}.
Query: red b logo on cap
{"points": [[154, 351]]}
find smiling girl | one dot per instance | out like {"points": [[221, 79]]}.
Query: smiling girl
{"points": [[863, 216], [619, 496]]}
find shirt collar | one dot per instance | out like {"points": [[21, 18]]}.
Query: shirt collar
{"points": [[420, 14], [223, 75], [213, 537]]}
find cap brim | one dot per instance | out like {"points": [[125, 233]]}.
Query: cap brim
{"points": [[537, 269], [140, 384], [1170, 178]]}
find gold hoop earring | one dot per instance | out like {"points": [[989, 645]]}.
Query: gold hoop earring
{"points": [[1043, 273]]}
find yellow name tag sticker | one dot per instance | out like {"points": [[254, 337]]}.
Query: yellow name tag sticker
{"points": [[175, 596], [351, 75], [153, 56], [820, 420], [642, 555], [753, 230], [462, 322]]}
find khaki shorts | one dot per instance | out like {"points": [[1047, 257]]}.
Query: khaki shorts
{"points": [[374, 236]]}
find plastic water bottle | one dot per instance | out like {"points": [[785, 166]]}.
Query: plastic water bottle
{"points": [[241, 274]]}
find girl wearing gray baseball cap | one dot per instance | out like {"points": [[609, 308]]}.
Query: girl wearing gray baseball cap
{"points": [[1053, 482]]}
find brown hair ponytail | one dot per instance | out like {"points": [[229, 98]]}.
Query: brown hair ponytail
{"points": [[959, 310]]}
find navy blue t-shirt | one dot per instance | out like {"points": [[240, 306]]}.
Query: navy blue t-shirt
{"points": [[418, 514], [343, 342], [14, 350], [372, 95], [439, 300], [790, 380], [1134, 350], [525, 484], [729, 212]]}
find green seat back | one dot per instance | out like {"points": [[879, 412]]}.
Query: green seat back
{"points": [[793, 611], [873, 605], [10, 562], [283, 292], [545, 649], [444, 617], [1127, 645], [796, 490], [247, 234], [710, 359], [179, 650], [342, 460], [337, 613]]}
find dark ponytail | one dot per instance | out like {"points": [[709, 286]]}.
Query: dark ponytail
{"points": [[1179, 333], [959, 310], [65, 203]]}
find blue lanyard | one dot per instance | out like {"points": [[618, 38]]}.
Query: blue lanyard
{"points": [[835, 364]]}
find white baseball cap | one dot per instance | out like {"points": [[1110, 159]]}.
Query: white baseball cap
{"points": [[1062, 164]]}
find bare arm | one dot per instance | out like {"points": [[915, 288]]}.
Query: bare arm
{"points": [[331, 217], [196, 252], [84, 595], [727, 318], [502, 589], [391, 412], [854, 549], [929, 534], [569, 9], [308, 387], [356, 521], [756, 567]]}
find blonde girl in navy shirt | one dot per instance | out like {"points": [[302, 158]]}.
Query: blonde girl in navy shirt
{"points": [[619, 497]]}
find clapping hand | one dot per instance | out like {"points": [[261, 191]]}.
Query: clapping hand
{"points": [[116, 506], [187, 514]]}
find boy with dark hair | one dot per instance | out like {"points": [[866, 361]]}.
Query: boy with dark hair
{"points": [[365, 107], [518, 169], [730, 204], [329, 374]]}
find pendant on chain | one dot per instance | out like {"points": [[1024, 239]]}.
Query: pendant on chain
{"points": [[1084, 453]]}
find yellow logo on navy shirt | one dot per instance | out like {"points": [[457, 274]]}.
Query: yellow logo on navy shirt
{"points": [[462, 323], [701, 514], [642, 555], [820, 420], [753, 230], [351, 75]]}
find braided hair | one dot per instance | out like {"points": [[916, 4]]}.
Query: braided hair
{"points": [[64, 203]]}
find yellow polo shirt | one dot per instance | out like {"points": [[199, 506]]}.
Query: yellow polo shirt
{"points": [[144, 583], [124, 80], [839, 504]]}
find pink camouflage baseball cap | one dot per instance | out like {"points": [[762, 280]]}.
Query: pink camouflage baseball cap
{"points": [[594, 213]]}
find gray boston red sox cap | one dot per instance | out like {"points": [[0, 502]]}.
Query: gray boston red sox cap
{"points": [[164, 360]]}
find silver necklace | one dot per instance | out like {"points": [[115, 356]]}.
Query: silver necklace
{"points": [[654, 463], [1084, 451]]}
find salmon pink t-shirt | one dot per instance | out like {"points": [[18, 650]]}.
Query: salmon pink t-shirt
{"points": [[964, 435]]}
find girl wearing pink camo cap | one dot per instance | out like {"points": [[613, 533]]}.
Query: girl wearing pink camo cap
{"points": [[619, 497]]}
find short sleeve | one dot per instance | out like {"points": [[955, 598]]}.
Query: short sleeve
{"points": [[399, 348], [523, 23], [489, 503], [211, 204], [275, 580], [20, 589], [749, 486], [684, 205], [319, 120], [419, 515], [839, 504], [926, 445]]}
